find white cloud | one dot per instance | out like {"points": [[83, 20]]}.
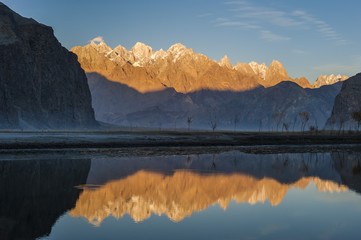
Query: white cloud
{"points": [[260, 15], [339, 68], [237, 23], [250, 15], [236, 2], [278, 18], [204, 15], [272, 37], [220, 19], [299, 52], [326, 30], [98, 39]]}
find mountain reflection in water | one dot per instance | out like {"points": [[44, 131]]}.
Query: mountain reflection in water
{"points": [[183, 193], [180, 185], [35, 193]]}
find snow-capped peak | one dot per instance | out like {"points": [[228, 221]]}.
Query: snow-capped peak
{"points": [[141, 51], [328, 80], [259, 69], [225, 62], [176, 48], [101, 46]]}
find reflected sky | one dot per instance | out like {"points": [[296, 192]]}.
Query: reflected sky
{"points": [[224, 195]]}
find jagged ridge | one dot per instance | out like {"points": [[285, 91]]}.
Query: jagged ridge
{"points": [[180, 68]]}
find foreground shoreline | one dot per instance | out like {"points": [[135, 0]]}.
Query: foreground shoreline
{"points": [[129, 139]]}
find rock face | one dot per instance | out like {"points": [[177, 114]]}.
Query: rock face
{"points": [[180, 68], [41, 84], [328, 80], [346, 102]]}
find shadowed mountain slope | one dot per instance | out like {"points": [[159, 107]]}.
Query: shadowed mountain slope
{"points": [[346, 102], [121, 105]]}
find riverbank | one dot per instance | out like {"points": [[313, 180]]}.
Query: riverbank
{"points": [[126, 139]]}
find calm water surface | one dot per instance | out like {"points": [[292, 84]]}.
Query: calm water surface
{"points": [[150, 194]]}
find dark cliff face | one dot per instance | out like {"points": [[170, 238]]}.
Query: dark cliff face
{"points": [[35, 193], [346, 102], [41, 83]]}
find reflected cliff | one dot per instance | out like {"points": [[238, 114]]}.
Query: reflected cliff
{"points": [[179, 185], [35, 193], [183, 193]]}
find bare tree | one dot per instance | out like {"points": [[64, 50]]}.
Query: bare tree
{"points": [[341, 122], [305, 117], [313, 128], [189, 121], [285, 126], [294, 123], [316, 125], [333, 121], [278, 117], [213, 119], [260, 125], [356, 116], [213, 124], [235, 121]]}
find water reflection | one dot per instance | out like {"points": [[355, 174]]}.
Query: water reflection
{"points": [[35, 193], [182, 193]]}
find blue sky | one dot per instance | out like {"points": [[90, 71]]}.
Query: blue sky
{"points": [[309, 37]]}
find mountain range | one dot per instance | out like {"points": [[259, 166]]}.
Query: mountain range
{"points": [[180, 68], [165, 89]]}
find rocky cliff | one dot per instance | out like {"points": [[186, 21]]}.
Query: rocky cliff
{"points": [[41, 83], [346, 102]]}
